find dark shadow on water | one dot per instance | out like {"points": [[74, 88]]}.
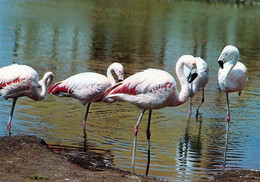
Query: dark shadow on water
{"points": [[85, 155]]}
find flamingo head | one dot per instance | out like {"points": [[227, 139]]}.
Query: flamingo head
{"points": [[192, 76], [119, 71], [227, 54], [193, 67]]}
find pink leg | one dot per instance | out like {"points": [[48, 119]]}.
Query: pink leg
{"points": [[11, 116], [227, 129], [135, 137]]}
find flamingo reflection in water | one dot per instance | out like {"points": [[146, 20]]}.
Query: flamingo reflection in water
{"points": [[154, 89], [190, 147]]}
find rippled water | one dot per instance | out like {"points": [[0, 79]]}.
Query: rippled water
{"points": [[69, 37]]}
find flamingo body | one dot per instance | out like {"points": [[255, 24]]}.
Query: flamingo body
{"points": [[21, 80], [153, 89], [232, 77], [200, 82], [88, 87], [149, 89], [85, 87], [235, 81], [203, 76], [16, 79]]}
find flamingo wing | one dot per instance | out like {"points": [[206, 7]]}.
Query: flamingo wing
{"points": [[16, 73], [149, 89], [86, 87], [147, 81]]}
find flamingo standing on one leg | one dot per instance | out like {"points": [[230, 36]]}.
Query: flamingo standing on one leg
{"points": [[232, 76], [87, 87], [153, 89], [21, 80], [200, 82]]}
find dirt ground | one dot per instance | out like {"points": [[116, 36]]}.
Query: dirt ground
{"points": [[28, 158]]}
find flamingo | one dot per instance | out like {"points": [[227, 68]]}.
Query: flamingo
{"points": [[232, 76], [88, 87], [200, 82], [21, 80], [153, 89]]}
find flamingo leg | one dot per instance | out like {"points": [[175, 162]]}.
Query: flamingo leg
{"points": [[190, 101], [190, 107], [227, 129], [148, 134], [85, 118], [201, 102], [135, 134], [11, 116]]}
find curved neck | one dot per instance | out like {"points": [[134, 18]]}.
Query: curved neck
{"points": [[44, 84], [184, 94], [110, 76], [229, 65]]}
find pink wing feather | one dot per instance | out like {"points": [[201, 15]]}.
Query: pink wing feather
{"points": [[53, 89], [4, 84], [142, 82]]}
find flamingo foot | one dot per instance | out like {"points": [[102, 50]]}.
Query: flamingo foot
{"points": [[9, 127], [228, 118], [135, 131], [84, 124], [190, 113]]}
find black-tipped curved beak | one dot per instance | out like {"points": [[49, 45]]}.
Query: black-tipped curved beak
{"points": [[221, 64], [192, 76], [120, 80]]}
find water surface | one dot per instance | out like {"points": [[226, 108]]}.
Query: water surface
{"points": [[70, 37]]}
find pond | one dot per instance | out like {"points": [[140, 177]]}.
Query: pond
{"points": [[70, 37]]}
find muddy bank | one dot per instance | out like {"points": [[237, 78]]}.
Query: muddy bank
{"points": [[238, 176], [27, 158]]}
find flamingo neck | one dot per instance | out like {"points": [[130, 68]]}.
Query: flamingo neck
{"points": [[229, 65], [185, 88], [110, 75], [193, 88], [44, 84]]}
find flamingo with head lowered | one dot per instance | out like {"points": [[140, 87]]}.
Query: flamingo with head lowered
{"points": [[21, 80], [154, 89], [200, 82], [88, 87], [232, 76]]}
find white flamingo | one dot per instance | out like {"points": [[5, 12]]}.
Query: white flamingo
{"points": [[21, 80], [200, 82], [87, 87], [232, 76], [153, 89]]}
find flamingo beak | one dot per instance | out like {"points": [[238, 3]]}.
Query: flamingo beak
{"points": [[120, 78], [221, 64], [193, 74]]}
